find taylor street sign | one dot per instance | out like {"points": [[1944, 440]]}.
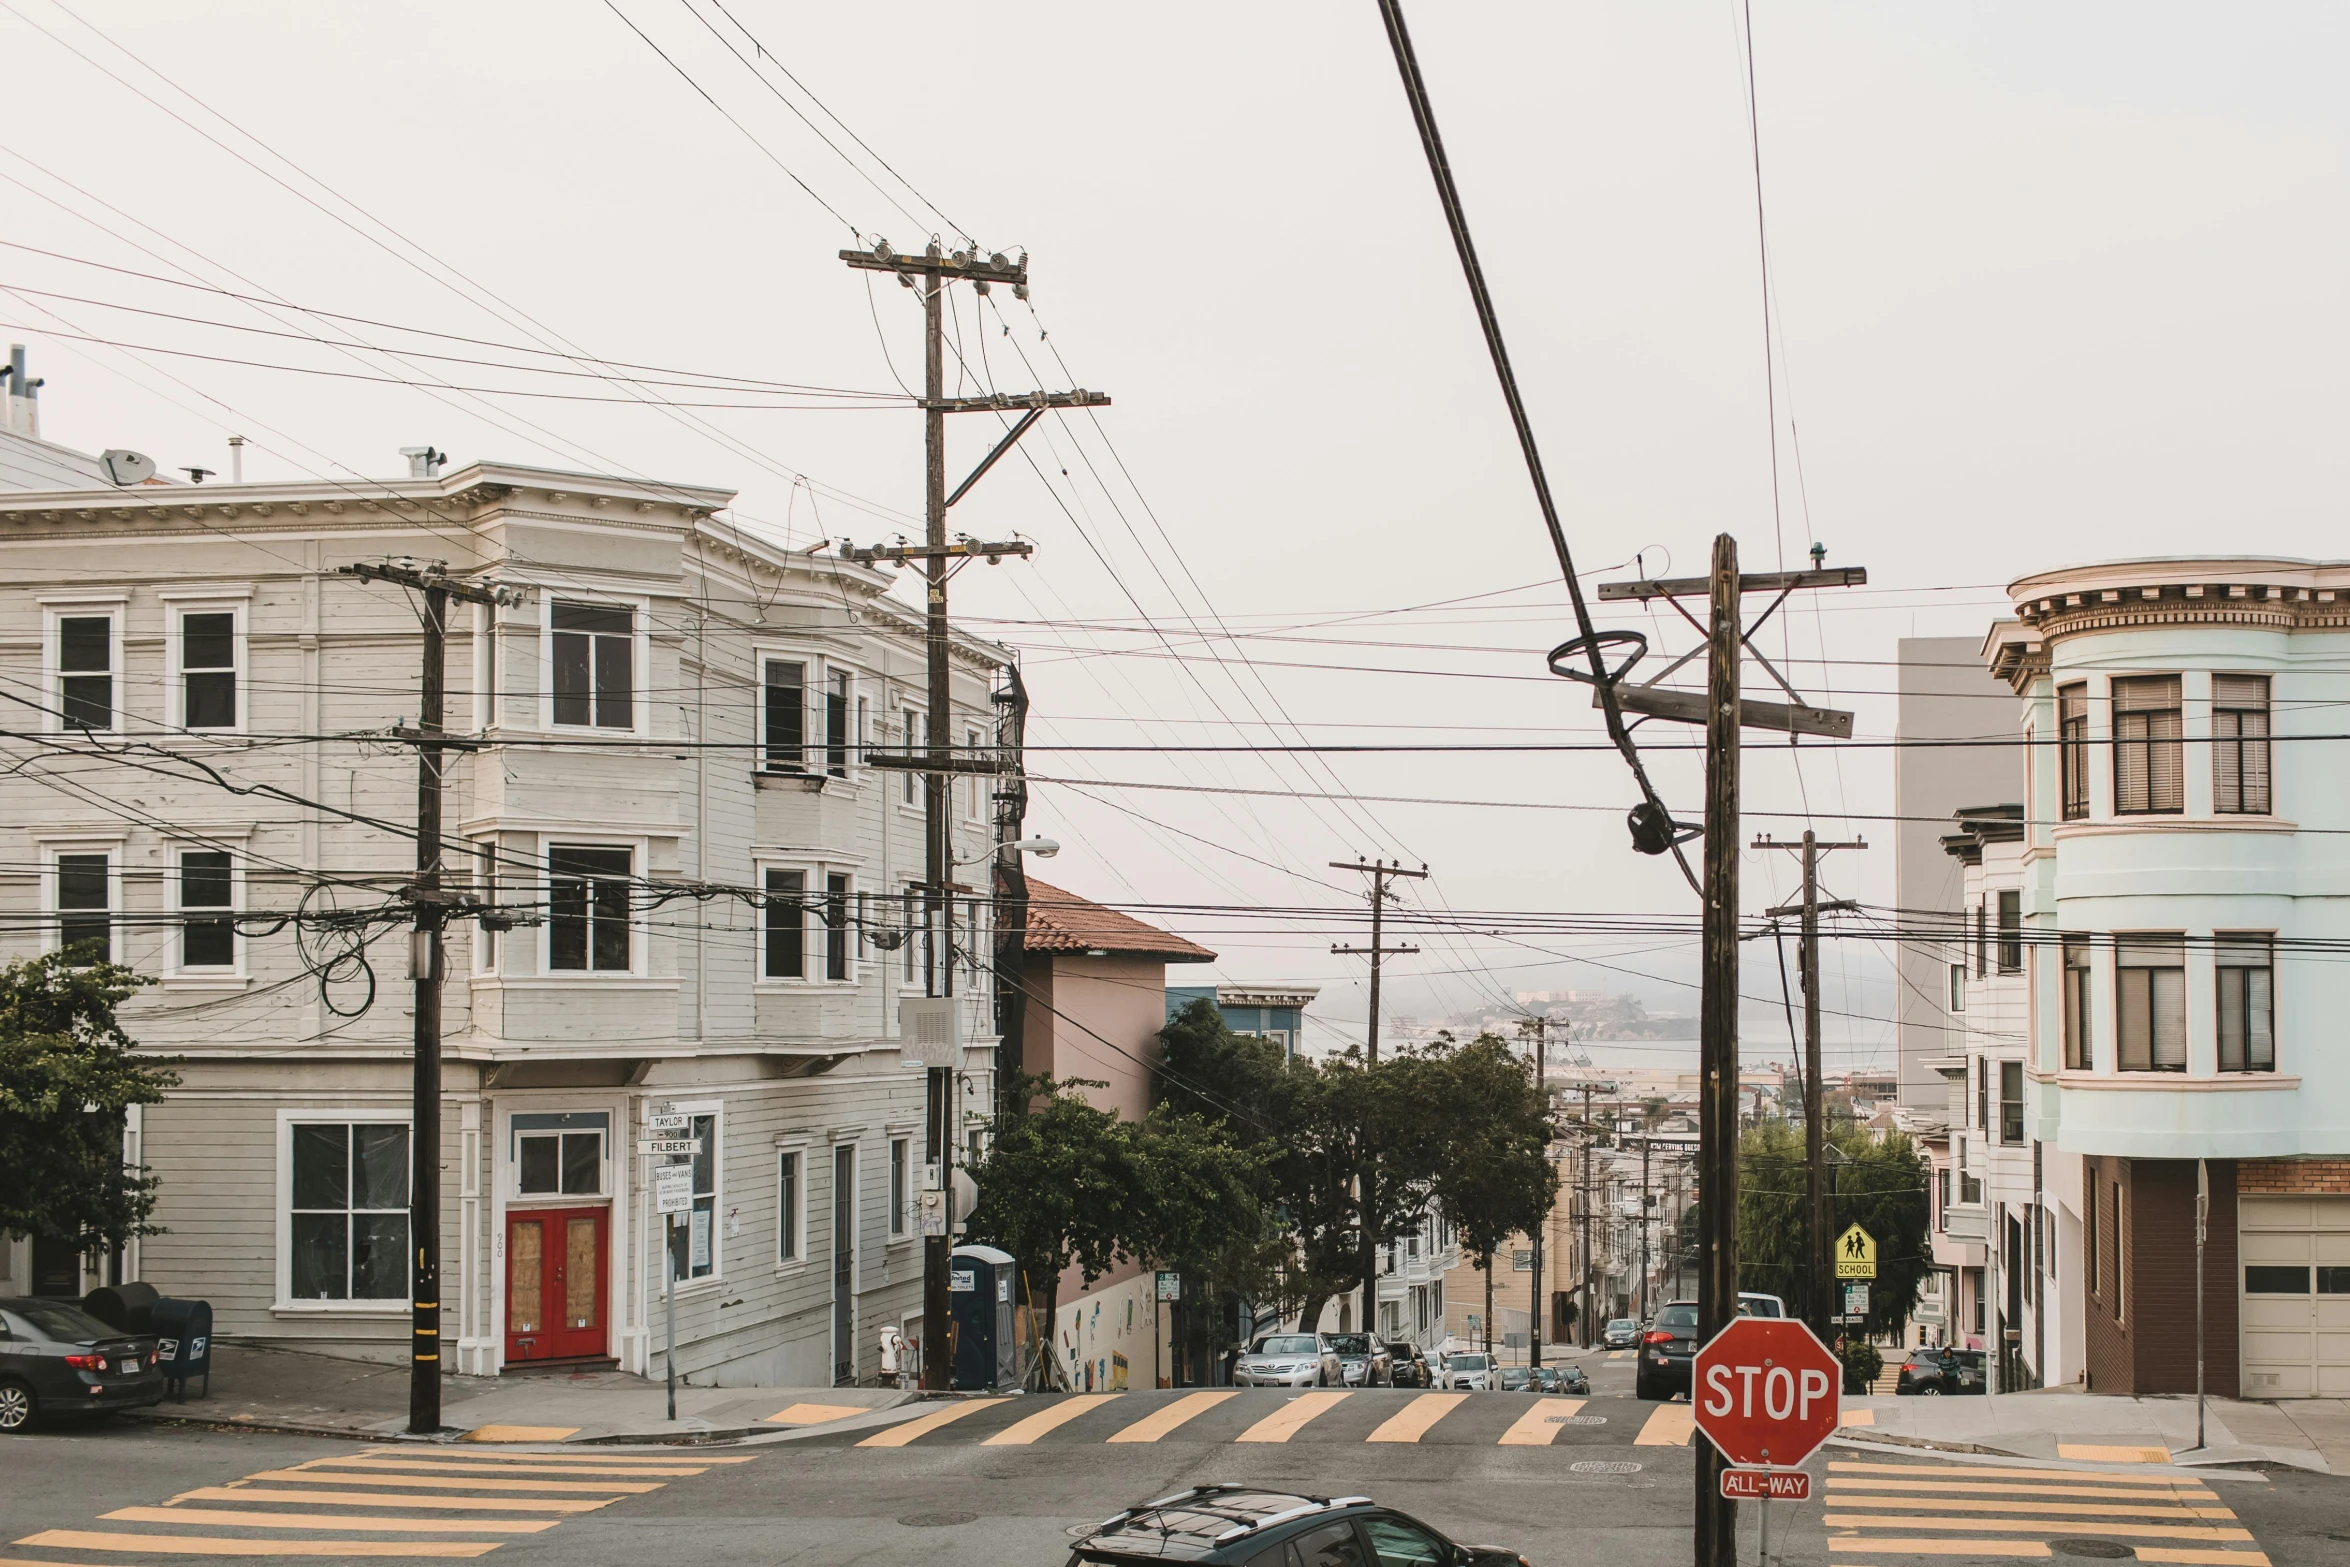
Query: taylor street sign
{"points": [[1766, 1485], [668, 1123], [1766, 1391], [669, 1145]]}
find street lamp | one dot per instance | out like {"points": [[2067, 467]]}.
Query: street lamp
{"points": [[1042, 848]]}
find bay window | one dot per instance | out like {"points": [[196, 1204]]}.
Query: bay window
{"points": [[2150, 1003]]}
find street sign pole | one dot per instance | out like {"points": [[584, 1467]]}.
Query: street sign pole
{"points": [[669, 1306]]}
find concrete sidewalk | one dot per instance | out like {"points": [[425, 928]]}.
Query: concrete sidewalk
{"points": [[2312, 1434], [325, 1395]]}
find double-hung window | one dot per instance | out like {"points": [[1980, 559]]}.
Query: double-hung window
{"points": [[974, 786], [207, 642], [836, 926], [485, 887], [1958, 987], [693, 1237], [2150, 1003], [2011, 932], [85, 672], [2072, 751], [2011, 1101], [594, 676], [899, 1193], [836, 722], [911, 934], [2076, 1003], [207, 897], [2239, 745], [787, 925], [2149, 766], [85, 906], [787, 1206], [588, 908], [908, 791], [2246, 967], [784, 696], [347, 1220]]}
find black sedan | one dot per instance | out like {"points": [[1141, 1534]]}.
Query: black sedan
{"points": [[1666, 1350], [56, 1359], [1933, 1372], [1563, 1379], [1233, 1525]]}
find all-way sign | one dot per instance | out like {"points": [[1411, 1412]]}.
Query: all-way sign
{"points": [[1766, 1485]]}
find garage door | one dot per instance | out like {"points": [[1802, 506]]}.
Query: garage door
{"points": [[2295, 1253]]}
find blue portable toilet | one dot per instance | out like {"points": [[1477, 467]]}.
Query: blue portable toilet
{"points": [[979, 1304]]}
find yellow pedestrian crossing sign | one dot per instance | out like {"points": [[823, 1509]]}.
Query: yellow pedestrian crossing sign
{"points": [[1856, 1254]]}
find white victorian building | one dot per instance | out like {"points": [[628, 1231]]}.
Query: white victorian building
{"points": [[2182, 906]]}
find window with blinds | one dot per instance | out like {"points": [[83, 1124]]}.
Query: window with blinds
{"points": [[2239, 745], [2076, 1003], [2072, 751], [2247, 1002], [2149, 770], [2150, 1003]]}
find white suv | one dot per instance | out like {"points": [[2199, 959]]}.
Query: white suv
{"points": [[1468, 1373]]}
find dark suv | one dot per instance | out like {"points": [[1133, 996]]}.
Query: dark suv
{"points": [[1938, 1371], [1241, 1526], [1410, 1366], [56, 1359], [1666, 1350]]}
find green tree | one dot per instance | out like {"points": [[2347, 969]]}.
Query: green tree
{"points": [[1879, 1184], [1203, 1209], [1058, 1188], [1485, 1144], [67, 1075]]}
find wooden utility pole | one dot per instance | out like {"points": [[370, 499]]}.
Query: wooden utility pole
{"points": [[931, 272], [1818, 1287], [1539, 1027], [1585, 1317], [1380, 872], [431, 903]]}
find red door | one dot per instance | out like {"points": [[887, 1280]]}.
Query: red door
{"points": [[555, 1284]]}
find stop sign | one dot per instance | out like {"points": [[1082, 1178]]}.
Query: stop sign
{"points": [[1765, 1390]]}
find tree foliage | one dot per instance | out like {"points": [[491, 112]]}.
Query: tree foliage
{"points": [[1880, 1185], [67, 1076]]}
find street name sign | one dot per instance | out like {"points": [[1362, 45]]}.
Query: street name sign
{"points": [[1766, 1485], [1856, 1254], [659, 1122], [1766, 1392], [669, 1145]]}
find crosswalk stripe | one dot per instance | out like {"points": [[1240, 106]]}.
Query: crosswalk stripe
{"points": [[1411, 1422], [2147, 1531], [2187, 1491], [519, 1433], [1857, 1417], [1940, 1547], [437, 1466], [2002, 1472], [375, 1522], [1021, 1433], [1167, 1417], [1618, 1354], [922, 1425], [2113, 1455], [2195, 1558], [502, 1504], [220, 1545], [1293, 1416], [1540, 1426], [1960, 1505], [452, 1482], [1671, 1426], [600, 1456]]}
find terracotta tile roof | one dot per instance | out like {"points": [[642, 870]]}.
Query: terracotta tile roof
{"points": [[1061, 921]]}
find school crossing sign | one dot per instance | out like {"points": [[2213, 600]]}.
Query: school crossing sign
{"points": [[1856, 1254]]}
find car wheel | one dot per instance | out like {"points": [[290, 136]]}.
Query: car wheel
{"points": [[17, 1408], [1642, 1389], [1929, 1391]]}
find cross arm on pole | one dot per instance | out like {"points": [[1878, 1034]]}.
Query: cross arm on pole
{"points": [[435, 579], [1646, 588]]}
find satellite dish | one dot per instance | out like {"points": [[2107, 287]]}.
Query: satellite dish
{"points": [[127, 468]]}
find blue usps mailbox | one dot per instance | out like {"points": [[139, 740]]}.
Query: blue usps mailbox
{"points": [[183, 1344], [979, 1303]]}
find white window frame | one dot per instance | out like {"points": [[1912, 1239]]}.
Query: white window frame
{"points": [[58, 607], [902, 1181], [485, 946], [640, 618], [716, 1277], [173, 964], [815, 870], [639, 934], [51, 849], [811, 665], [388, 1114], [178, 606], [819, 667], [974, 784], [488, 667], [797, 1258], [908, 795], [605, 1163]]}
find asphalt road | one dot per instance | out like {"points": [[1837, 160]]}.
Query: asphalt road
{"points": [[1567, 1485]]}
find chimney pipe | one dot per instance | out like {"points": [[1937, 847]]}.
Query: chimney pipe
{"points": [[236, 459]]}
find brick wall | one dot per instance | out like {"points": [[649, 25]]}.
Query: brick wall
{"points": [[2141, 1317], [2294, 1177]]}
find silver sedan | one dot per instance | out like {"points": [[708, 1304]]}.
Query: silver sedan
{"points": [[1288, 1360]]}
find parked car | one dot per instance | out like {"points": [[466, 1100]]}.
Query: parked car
{"points": [[1518, 1379], [1468, 1373], [56, 1359], [1233, 1525], [1934, 1372], [1288, 1360], [1622, 1333], [1666, 1350], [1752, 1304], [1563, 1379], [1363, 1361], [1410, 1366]]}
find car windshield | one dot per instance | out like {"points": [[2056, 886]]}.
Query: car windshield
{"points": [[1400, 1350], [1351, 1343], [1677, 1319], [1297, 1344], [1471, 1362], [1619, 1323], [63, 1323]]}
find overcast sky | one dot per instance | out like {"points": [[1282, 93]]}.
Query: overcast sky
{"points": [[2054, 283]]}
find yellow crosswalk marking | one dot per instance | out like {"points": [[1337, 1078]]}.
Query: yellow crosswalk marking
{"points": [[2195, 1558], [519, 1433], [438, 1466], [502, 1504], [1167, 1417], [2113, 1455], [922, 1425], [813, 1414], [374, 1523], [1857, 1417], [2001, 1472], [1618, 1354], [574, 1456], [1411, 1422], [2188, 1490], [2145, 1531], [1931, 1547], [1670, 1426], [1540, 1426], [1022, 1432], [221, 1545], [452, 1482], [1293, 1416], [1961, 1505]]}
